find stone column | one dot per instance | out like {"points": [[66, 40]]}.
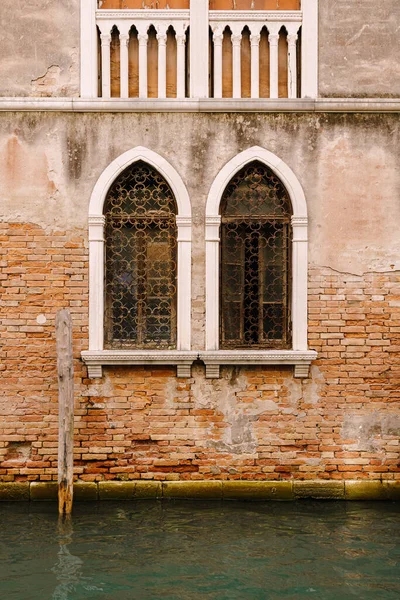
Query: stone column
{"points": [[255, 66], [218, 38], [237, 76], [180, 67], [143, 38], [299, 292], [162, 63], [292, 65], [105, 65], [213, 225], [124, 64], [273, 39], [96, 282]]}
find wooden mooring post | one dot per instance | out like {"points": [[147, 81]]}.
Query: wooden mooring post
{"points": [[65, 369]]}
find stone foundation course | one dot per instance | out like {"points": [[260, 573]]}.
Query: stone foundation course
{"points": [[215, 490]]}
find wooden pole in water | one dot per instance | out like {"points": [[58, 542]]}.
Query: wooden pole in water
{"points": [[65, 369]]}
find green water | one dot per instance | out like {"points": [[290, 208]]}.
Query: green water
{"points": [[200, 551]]}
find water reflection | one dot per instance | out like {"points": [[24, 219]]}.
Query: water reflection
{"points": [[201, 551], [68, 569]]}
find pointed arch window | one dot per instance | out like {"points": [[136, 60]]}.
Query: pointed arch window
{"points": [[140, 261], [256, 266], [256, 236], [140, 238]]}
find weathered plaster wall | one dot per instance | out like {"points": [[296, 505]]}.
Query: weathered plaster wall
{"points": [[39, 54], [359, 47], [346, 164], [252, 423]]}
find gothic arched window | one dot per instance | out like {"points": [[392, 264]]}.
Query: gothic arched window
{"points": [[140, 261], [256, 239]]}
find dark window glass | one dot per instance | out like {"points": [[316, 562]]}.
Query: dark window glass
{"points": [[140, 273], [255, 261]]}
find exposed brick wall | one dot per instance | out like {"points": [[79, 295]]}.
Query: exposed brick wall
{"points": [[144, 423]]}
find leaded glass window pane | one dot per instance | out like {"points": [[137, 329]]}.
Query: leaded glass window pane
{"points": [[255, 261], [141, 260]]}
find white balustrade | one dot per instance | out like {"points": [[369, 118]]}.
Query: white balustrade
{"points": [[275, 22], [238, 25], [142, 20]]}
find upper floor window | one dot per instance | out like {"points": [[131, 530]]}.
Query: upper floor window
{"points": [[140, 261], [255, 260]]}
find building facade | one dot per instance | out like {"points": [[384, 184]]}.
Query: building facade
{"points": [[212, 190]]}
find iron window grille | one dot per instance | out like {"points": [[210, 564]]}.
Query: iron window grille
{"points": [[255, 261], [140, 261]]}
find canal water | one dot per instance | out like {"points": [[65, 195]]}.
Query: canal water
{"points": [[180, 550]]}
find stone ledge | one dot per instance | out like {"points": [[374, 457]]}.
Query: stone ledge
{"points": [[46, 490], [257, 490], [14, 492], [192, 489], [201, 105], [372, 490], [211, 489], [319, 490]]}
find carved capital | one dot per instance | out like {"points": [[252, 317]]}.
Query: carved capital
{"points": [[292, 39], [273, 39], [181, 40], [97, 220], [299, 221], [124, 39], [213, 220], [255, 40], [142, 39], [105, 39], [162, 39], [236, 39], [218, 36]]}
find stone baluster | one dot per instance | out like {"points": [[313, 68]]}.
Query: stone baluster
{"points": [[142, 39], [237, 78], [181, 66], [162, 62], [255, 66], [273, 39], [124, 64], [218, 39], [105, 65], [292, 64]]}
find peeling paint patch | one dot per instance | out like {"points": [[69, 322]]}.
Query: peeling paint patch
{"points": [[46, 85], [367, 431]]}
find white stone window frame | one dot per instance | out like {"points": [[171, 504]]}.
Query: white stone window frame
{"points": [[96, 357], [298, 355]]}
